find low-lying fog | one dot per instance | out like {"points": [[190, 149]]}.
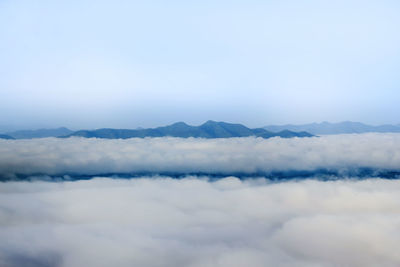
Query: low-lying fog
{"points": [[81, 156], [199, 221], [195, 222]]}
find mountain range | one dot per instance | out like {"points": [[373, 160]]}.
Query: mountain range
{"points": [[346, 127], [40, 133], [210, 129]]}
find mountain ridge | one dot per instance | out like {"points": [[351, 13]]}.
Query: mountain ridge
{"points": [[345, 127], [209, 129], [5, 136], [40, 133]]}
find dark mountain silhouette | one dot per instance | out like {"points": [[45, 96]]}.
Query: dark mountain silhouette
{"points": [[40, 133], [345, 127], [5, 136], [210, 129]]}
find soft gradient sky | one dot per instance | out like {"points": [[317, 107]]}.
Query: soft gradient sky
{"points": [[90, 64]]}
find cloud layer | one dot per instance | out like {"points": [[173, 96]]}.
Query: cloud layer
{"points": [[80, 156], [194, 222]]}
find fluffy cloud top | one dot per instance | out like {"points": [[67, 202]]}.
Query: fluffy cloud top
{"points": [[210, 156], [198, 223]]}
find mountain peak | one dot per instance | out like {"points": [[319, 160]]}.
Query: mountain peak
{"points": [[179, 123], [210, 122]]}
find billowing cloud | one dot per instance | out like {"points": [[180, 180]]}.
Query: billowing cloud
{"points": [[253, 156], [195, 222]]}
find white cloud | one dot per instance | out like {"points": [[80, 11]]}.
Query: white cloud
{"points": [[195, 222], [339, 153]]}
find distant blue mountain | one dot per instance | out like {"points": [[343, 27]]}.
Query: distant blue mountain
{"points": [[5, 136], [345, 127], [210, 129], [40, 133]]}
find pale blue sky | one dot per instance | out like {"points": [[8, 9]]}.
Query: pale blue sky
{"points": [[90, 64]]}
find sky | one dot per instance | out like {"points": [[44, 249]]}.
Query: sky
{"points": [[127, 64]]}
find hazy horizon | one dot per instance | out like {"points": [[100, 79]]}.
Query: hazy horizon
{"points": [[11, 128], [128, 64]]}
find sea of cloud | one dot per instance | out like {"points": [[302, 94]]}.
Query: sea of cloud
{"points": [[82, 156], [159, 221], [198, 221]]}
